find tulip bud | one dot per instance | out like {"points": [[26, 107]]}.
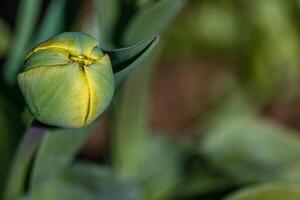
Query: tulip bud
{"points": [[67, 80]]}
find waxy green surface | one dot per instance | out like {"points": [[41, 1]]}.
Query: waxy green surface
{"points": [[67, 80]]}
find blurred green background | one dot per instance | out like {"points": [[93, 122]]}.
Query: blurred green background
{"points": [[213, 114]]}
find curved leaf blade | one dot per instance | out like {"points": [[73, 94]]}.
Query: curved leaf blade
{"points": [[15, 186], [10, 128], [125, 60], [108, 13], [244, 148], [134, 148], [57, 151]]}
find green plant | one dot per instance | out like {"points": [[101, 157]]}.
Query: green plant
{"points": [[98, 59]]}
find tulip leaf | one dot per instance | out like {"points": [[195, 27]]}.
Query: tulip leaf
{"points": [[52, 22], [291, 172], [268, 191], [135, 149], [58, 148], [125, 60], [130, 128], [203, 179], [57, 151], [27, 17], [151, 19], [107, 15], [15, 186], [251, 149], [85, 181], [10, 126]]}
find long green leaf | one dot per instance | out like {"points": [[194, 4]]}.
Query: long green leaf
{"points": [[15, 186], [127, 59], [151, 19], [130, 121], [10, 128], [53, 21], [251, 149], [135, 150], [107, 15], [57, 151], [26, 19]]}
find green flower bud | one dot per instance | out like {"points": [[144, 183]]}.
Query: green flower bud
{"points": [[67, 80]]}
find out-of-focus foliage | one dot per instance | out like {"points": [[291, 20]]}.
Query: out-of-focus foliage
{"points": [[4, 37], [10, 128], [85, 181], [261, 41], [263, 36], [146, 22], [56, 153], [276, 191], [26, 20], [251, 149], [53, 21], [125, 60], [153, 161]]}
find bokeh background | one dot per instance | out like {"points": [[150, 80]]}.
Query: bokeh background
{"points": [[214, 110]]}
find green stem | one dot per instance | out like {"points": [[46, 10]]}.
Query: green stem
{"points": [[21, 165]]}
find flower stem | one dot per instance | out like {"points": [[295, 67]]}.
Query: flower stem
{"points": [[17, 178]]}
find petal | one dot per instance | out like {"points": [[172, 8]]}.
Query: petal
{"points": [[101, 86], [47, 57], [74, 42], [56, 95]]}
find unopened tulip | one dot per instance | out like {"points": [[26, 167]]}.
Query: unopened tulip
{"points": [[67, 80]]}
